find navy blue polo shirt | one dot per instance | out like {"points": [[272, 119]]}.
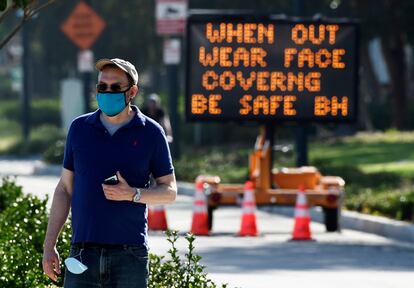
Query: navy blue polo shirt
{"points": [[136, 150]]}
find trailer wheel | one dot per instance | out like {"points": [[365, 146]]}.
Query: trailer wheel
{"points": [[331, 219], [210, 210]]}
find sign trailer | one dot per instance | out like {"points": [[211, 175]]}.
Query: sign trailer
{"points": [[271, 69]]}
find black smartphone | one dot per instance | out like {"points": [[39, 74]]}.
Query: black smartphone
{"points": [[113, 180]]}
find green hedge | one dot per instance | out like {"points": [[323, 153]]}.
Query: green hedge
{"points": [[9, 192], [23, 227], [394, 204], [380, 193], [230, 164], [23, 222], [55, 152], [44, 111], [40, 140]]}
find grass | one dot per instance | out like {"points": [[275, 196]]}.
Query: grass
{"points": [[10, 133], [44, 131], [378, 169], [372, 153], [6, 142]]}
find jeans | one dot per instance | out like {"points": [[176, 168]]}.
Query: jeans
{"points": [[120, 267]]}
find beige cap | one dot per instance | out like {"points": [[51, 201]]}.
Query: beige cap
{"points": [[122, 64]]}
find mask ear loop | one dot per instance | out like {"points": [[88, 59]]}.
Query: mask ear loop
{"points": [[127, 103], [80, 255]]}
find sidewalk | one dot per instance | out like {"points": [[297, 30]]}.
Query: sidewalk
{"points": [[398, 230]]}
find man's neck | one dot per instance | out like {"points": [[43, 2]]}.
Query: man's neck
{"points": [[122, 117]]}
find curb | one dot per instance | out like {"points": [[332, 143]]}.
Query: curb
{"points": [[32, 166], [393, 229], [42, 169]]}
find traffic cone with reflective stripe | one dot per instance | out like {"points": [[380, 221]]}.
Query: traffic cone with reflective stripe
{"points": [[199, 225], [248, 223], [301, 230], [157, 219]]}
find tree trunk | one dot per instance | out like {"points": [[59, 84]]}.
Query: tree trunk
{"points": [[393, 47], [369, 89]]}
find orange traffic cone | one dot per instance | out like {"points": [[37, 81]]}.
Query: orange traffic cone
{"points": [[248, 224], [149, 218], [157, 219], [301, 230], [199, 225]]}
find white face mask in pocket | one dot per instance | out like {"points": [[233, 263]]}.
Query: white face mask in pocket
{"points": [[74, 265]]}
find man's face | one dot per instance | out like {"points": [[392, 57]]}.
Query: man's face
{"points": [[115, 76]]}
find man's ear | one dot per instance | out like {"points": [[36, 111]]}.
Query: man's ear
{"points": [[133, 92]]}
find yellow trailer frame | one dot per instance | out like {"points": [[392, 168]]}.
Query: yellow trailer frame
{"points": [[278, 187]]}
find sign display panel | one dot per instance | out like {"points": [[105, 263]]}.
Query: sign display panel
{"points": [[256, 68]]}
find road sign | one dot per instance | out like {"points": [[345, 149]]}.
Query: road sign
{"points": [[171, 16], [269, 69], [85, 61], [172, 51], [83, 26]]}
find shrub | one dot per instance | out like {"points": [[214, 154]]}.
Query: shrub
{"points": [[23, 227], [45, 111], [9, 192], [394, 204], [54, 154], [177, 272], [40, 140], [231, 165]]}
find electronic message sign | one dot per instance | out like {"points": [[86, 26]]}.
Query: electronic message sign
{"points": [[268, 69]]}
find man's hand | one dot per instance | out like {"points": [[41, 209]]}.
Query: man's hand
{"points": [[119, 192], [51, 263]]}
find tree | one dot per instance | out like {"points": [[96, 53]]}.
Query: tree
{"points": [[390, 21], [29, 8]]}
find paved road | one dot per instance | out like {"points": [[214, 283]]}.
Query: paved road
{"points": [[347, 259], [341, 260]]}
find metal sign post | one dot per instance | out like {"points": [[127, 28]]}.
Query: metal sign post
{"points": [[301, 139], [171, 18], [83, 27]]}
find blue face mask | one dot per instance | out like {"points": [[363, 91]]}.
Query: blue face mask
{"points": [[111, 103]]}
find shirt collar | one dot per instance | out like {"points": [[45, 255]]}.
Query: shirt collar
{"points": [[138, 120]]}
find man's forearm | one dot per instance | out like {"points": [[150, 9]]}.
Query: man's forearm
{"points": [[159, 194], [58, 215]]}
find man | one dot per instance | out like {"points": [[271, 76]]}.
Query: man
{"points": [[153, 109], [109, 227]]}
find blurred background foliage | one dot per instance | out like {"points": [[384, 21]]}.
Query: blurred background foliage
{"points": [[130, 34]]}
